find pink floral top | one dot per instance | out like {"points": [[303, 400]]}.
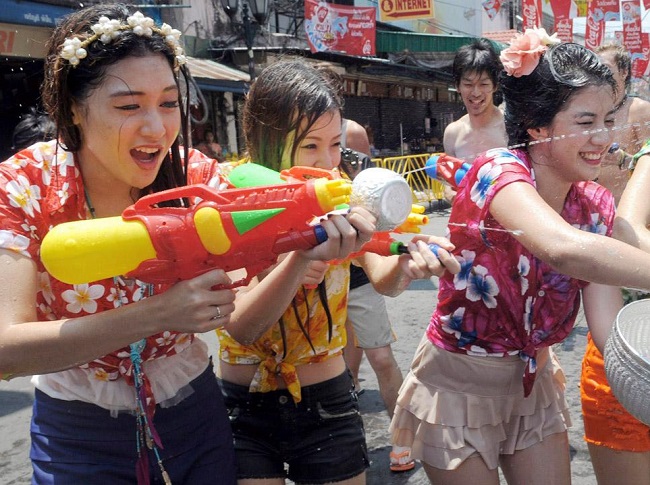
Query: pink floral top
{"points": [[505, 301], [42, 188]]}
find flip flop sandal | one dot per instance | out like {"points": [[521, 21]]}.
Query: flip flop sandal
{"points": [[396, 466]]}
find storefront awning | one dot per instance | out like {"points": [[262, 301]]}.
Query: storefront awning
{"points": [[213, 76], [32, 13], [414, 42]]}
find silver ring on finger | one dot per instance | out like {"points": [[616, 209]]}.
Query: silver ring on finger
{"points": [[218, 315]]}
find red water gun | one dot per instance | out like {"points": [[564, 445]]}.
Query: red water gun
{"points": [[228, 229], [382, 243], [447, 169]]}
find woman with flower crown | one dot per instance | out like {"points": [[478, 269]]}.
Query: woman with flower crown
{"points": [[125, 391], [530, 230]]}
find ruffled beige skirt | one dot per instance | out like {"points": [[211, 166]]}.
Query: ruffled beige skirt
{"points": [[452, 406]]}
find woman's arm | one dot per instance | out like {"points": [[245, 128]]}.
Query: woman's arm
{"points": [[601, 304], [633, 215], [263, 303], [392, 275], [33, 347], [571, 251]]}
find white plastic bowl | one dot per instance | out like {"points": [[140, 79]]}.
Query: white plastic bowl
{"points": [[627, 359]]}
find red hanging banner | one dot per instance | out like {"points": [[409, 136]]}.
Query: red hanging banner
{"points": [[531, 11], [340, 28], [631, 20], [609, 9], [564, 9], [564, 29], [595, 26], [640, 60]]}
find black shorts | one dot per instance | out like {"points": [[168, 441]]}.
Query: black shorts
{"points": [[321, 438]]}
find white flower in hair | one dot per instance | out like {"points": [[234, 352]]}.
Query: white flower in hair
{"points": [[107, 29], [73, 51], [171, 35], [140, 24]]}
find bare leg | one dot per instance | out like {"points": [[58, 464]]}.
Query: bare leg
{"points": [[613, 467], [473, 471], [541, 464], [389, 375]]}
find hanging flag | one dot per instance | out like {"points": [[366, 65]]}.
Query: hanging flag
{"points": [[563, 12], [640, 60], [564, 9], [564, 29], [631, 20], [492, 7], [595, 26], [611, 10], [531, 11], [340, 28]]}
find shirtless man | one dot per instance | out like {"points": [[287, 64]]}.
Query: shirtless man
{"points": [[476, 71], [632, 121]]}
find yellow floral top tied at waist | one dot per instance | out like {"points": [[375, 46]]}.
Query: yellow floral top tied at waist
{"points": [[107, 30], [305, 335]]}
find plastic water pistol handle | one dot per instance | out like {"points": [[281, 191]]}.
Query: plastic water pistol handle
{"points": [[228, 229], [447, 169]]}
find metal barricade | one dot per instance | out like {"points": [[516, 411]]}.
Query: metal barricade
{"points": [[423, 187]]}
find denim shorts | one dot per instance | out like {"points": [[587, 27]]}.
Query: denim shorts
{"points": [[321, 439], [77, 443]]}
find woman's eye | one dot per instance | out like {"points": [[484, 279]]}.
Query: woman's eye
{"points": [[128, 107], [170, 104]]}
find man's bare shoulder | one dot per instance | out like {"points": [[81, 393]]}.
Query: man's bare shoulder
{"points": [[357, 137], [639, 110]]}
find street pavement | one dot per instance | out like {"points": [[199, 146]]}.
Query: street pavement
{"points": [[410, 313]]}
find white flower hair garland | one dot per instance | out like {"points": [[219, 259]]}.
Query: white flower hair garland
{"points": [[106, 30]]}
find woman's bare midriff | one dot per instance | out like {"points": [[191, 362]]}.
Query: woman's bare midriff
{"points": [[308, 374]]}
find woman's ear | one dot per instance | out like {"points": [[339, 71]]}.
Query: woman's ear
{"points": [[76, 115], [538, 133]]}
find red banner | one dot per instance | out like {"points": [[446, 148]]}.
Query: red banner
{"points": [[595, 26], [609, 9], [646, 4], [631, 20], [339, 28], [564, 29], [640, 60], [492, 7], [564, 9], [531, 11]]}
